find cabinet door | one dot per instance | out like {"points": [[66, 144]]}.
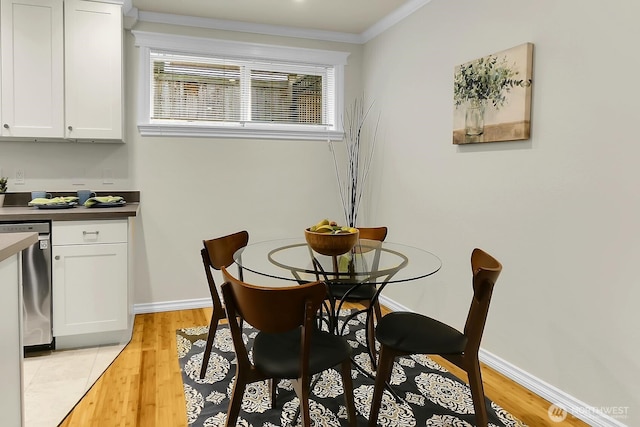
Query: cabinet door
{"points": [[89, 288], [31, 74], [93, 66]]}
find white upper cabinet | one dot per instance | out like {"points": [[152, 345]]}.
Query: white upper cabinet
{"points": [[61, 70], [93, 70], [32, 77]]}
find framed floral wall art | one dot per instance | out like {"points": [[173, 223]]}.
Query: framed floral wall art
{"points": [[492, 97]]}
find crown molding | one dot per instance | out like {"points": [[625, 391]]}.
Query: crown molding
{"points": [[392, 19], [130, 14], [134, 15], [245, 27]]}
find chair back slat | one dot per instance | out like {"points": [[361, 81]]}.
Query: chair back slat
{"points": [[221, 250], [217, 303], [271, 309], [486, 270], [373, 233]]}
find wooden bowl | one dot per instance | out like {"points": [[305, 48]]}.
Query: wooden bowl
{"points": [[331, 244]]}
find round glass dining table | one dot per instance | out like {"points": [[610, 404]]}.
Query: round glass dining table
{"points": [[369, 262]]}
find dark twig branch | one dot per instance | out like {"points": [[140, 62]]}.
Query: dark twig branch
{"points": [[359, 150]]}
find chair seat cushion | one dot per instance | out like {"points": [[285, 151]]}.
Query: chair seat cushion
{"points": [[418, 334], [278, 355], [361, 292]]}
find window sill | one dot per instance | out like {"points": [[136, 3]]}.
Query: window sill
{"points": [[200, 131]]}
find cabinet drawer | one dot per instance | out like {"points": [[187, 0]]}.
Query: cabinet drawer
{"points": [[88, 232]]}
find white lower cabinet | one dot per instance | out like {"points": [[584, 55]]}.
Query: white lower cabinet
{"points": [[90, 277]]}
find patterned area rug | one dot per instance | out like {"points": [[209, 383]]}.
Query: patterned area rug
{"points": [[432, 396]]}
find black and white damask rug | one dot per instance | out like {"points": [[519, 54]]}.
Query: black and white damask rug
{"points": [[432, 396]]}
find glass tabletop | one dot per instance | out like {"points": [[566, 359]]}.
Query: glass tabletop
{"points": [[369, 262]]}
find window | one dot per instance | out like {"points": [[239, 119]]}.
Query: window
{"points": [[203, 87]]}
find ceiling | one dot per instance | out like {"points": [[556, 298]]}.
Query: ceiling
{"points": [[347, 18]]}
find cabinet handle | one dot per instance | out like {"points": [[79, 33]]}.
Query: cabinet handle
{"points": [[6, 126], [57, 257], [84, 233], [70, 128]]}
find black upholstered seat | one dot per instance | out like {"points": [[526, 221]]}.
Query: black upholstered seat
{"points": [[415, 333], [365, 291], [279, 354]]}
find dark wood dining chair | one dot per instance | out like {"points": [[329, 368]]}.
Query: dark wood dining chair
{"points": [[364, 293], [288, 345], [218, 253], [405, 333]]}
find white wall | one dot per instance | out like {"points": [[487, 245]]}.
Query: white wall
{"points": [[199, 188], [559, 210]]}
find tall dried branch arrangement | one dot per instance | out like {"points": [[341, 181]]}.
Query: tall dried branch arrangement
{"points": [[359, 145]]}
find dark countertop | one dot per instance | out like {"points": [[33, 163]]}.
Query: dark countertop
{"points": [[77, 213], [15, 208]]}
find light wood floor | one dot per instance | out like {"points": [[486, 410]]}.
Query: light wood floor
{"points": [[143, 386]]}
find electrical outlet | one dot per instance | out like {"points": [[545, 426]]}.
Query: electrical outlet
{"points": [[78, 176], [107, 176], [19, 176]]}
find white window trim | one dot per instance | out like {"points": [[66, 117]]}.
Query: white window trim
{"points": [[147, 41]]}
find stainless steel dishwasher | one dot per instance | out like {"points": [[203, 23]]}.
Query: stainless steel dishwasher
{"points": [[36, 285]]}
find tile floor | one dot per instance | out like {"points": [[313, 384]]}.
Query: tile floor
{"points": [[55, 381]]}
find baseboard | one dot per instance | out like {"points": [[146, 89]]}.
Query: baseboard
{"points": [[67, 342], [391, 304], [595, 417], [156, 307]]}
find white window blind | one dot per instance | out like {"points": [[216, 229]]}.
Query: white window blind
{"points": [[187, 88], [190, 88], [223, 88]]}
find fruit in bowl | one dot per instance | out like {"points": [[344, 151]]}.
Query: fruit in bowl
{"points": [[328, 238]]}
